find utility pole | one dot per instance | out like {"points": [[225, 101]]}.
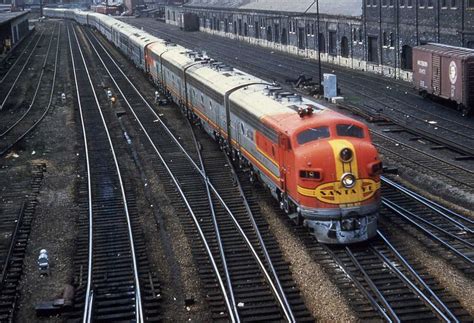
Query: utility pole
{"points": [[320, 72]]}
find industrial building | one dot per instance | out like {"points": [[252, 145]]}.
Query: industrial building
{"points": [[371, 35], [13, 28]]}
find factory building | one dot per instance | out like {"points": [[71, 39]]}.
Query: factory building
{"points": [[369, 35]]}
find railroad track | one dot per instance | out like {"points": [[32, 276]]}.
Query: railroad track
{"points": [[214, 163], [17, 211], [240, 280], [452, 174], [446, 133], [444, 309], [449, 230], [113, 281], [378, 279], [37, 109], [17, 72], [453, 137], [394, 287], [17, 57]]}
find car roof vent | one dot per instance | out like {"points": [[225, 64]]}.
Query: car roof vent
{"points": [[225, 68], [294, 98], [270, 90], [168, 42]]}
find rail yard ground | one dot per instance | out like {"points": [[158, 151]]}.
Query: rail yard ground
{"points": [[56, 144]]}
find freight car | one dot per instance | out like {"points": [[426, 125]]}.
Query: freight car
{"points": [[446, 72], [320, 165]]}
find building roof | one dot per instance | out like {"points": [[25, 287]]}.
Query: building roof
{"points": [[448, 50], [9, 16], [229, 4], [350, 8]]}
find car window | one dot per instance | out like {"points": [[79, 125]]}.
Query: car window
{"points": [[312, 134], [349, 130]]}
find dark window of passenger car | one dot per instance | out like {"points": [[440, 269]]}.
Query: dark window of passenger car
{"points": [[312, 134], [349, 130]]}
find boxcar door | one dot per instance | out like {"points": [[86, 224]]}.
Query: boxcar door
{"points": [[436, 77]]}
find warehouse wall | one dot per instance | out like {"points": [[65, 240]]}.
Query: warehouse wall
{"points": [[379, 41]]}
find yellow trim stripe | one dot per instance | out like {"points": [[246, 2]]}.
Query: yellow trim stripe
{"points": [[250, 156], [267, 156], [335, 193], [341, 168]]}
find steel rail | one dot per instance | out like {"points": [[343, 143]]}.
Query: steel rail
{"points": [[36, 88], [417, 277], [216, 227], [260, 240], [241, 231], [391, 313], [401, 121], [358, 284], [392, 205], [400, 211], [441, 210], [175, 181], [33, 100], [408, 283], [17, 60], [48, 107], [21, 72], [89, 184], [6, 261], [421, 163], [139, 309]]}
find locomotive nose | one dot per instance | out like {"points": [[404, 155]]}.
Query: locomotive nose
{"points": [[337, 172]]}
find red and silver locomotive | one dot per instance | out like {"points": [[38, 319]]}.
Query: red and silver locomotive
{"points": [[320, 165]]}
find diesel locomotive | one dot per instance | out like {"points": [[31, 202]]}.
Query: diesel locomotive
{"points": [[320, 165]]}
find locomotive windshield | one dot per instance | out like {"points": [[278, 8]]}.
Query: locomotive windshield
{"points": [[349, 130], [312, 134]]}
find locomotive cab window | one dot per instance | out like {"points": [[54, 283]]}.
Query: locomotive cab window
{"points": [[349, 130], [312, 134]]}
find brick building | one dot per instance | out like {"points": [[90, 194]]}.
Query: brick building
{"points": [[372, 35]]}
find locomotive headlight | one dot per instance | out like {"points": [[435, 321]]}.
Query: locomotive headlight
{"points": [[348, 180], [346, 155]]}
